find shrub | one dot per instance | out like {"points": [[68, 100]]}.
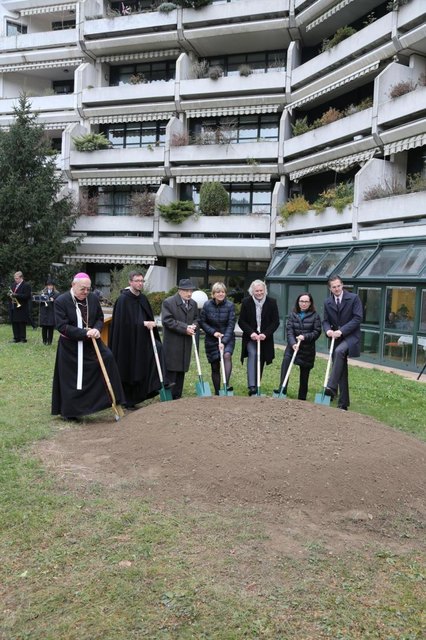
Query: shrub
{"points": [[401, 88], [215, 72], [245, 70], [178, 211], [214, 199], [338, 197], [300, 126], [331, 115], [142, 203], [394, 5], [277, 63], [91, 142], [166, 7], [193, 4], [87, 205], [341, 34], [137, 78], [179, 140], [416, 182], [384, 190], [200, 68], [296, 204]]}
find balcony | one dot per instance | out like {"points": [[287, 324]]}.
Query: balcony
{"points": [[42, 40], [60, 102], [119, 242], [335, 132], [407, 107], [312, 221], [367, 39], [235, 12], [133, 33], [143, 92], [394, 208], [233, 152], [118, 157], [256, 83]]}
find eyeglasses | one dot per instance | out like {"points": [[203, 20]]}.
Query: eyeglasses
{"points": [[304, 302], [138, 281]]}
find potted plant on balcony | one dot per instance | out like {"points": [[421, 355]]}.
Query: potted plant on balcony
{"points": [[296, 204], [91, 142], [142, 203], [214, 199], [338, 197], [178, 211], [341, 34]]}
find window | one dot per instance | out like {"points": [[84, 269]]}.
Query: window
{"points": [[244, 198], [385, 260], [61, 25], [234, 129], [259, 62], [371, 299], [116, 201], [400, 308], [14, 28], [63, 86], [144, 71], [355, 261], [136, 134]]}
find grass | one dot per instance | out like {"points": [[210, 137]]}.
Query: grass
{"points": [[83, 561]]}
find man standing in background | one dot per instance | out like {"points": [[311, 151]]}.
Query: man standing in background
{"points": [[19, 312]]}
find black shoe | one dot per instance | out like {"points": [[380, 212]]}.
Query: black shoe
{"points": [[130, 407], [70, 418], [329, 392], [229, 388], [169, 385], [252, 391], [24, 340]]}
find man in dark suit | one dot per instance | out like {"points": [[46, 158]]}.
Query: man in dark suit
{"points": [[179, 316], [20, 299], [343, 315]]}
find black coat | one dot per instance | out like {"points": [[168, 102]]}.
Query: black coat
{"points": [[67, 398], [218, 317], [47, 312], [23, 296], [270, 322], [310, 328], [130, 342]]}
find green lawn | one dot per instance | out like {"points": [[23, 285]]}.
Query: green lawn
{"points": [[84, 562]]}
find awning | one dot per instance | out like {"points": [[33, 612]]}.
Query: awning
{"points": [[126, 180], [327, 14], [56, 8], [132, 117], [46, 64], [143, 55], [105, 258], [334, 85], [226, 177], [339, 165], [407, 143], [232, 111]]}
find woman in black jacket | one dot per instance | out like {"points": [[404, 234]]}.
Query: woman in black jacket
{"points": [[217, 319], [303, 324]]}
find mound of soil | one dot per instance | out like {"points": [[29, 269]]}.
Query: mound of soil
{"points": [[313, 463]]}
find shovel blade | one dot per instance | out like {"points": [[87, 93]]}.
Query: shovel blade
{"points": [[225, 392], [202, 389], [165, 395], [321, 398], [281, 394]]}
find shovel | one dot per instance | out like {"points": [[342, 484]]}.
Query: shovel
{"points": [[165, 394], [258, 391], [117, 408], [321, 398], [202, 388], [224, 391], [281, 394]]}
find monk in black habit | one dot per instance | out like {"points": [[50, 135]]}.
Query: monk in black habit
{"points": [[79, 386], [131, 344]]}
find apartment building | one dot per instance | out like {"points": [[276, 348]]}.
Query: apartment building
{"points": [[310, 113]]}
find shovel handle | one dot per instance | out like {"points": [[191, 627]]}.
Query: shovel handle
{"points": [[157, 359], [330, 355], [222, 364], [117, 409], [293, 358], [197, 357], [258, 364]]}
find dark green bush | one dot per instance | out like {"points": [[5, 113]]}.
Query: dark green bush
{"points": [[214, 199]]}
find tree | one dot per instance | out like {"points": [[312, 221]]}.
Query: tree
{"points": [[34, 222], [214, 199]]}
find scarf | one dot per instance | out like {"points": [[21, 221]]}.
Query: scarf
{"points": [[258, 304]]}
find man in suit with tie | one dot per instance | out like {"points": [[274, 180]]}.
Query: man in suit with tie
{"points": [[343, 314], [179, 317], [19, 307]]}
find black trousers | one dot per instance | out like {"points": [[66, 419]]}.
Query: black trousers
{"points": [[339, 373], [303, 376], [177, 378], [47, 334], [19, 331]]}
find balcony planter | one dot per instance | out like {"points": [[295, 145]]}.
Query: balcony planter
{"points": [[408, 205], [117, 157], [311, 220], [238, 152], [234, 85], [232, 224], [142, 92], [114, 224], [344, 128], [409, 106]]}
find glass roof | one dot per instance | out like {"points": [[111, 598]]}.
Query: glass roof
{"points": [[373, 261]]}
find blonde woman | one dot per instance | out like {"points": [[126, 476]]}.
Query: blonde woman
{"points": [[217, 320]]}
